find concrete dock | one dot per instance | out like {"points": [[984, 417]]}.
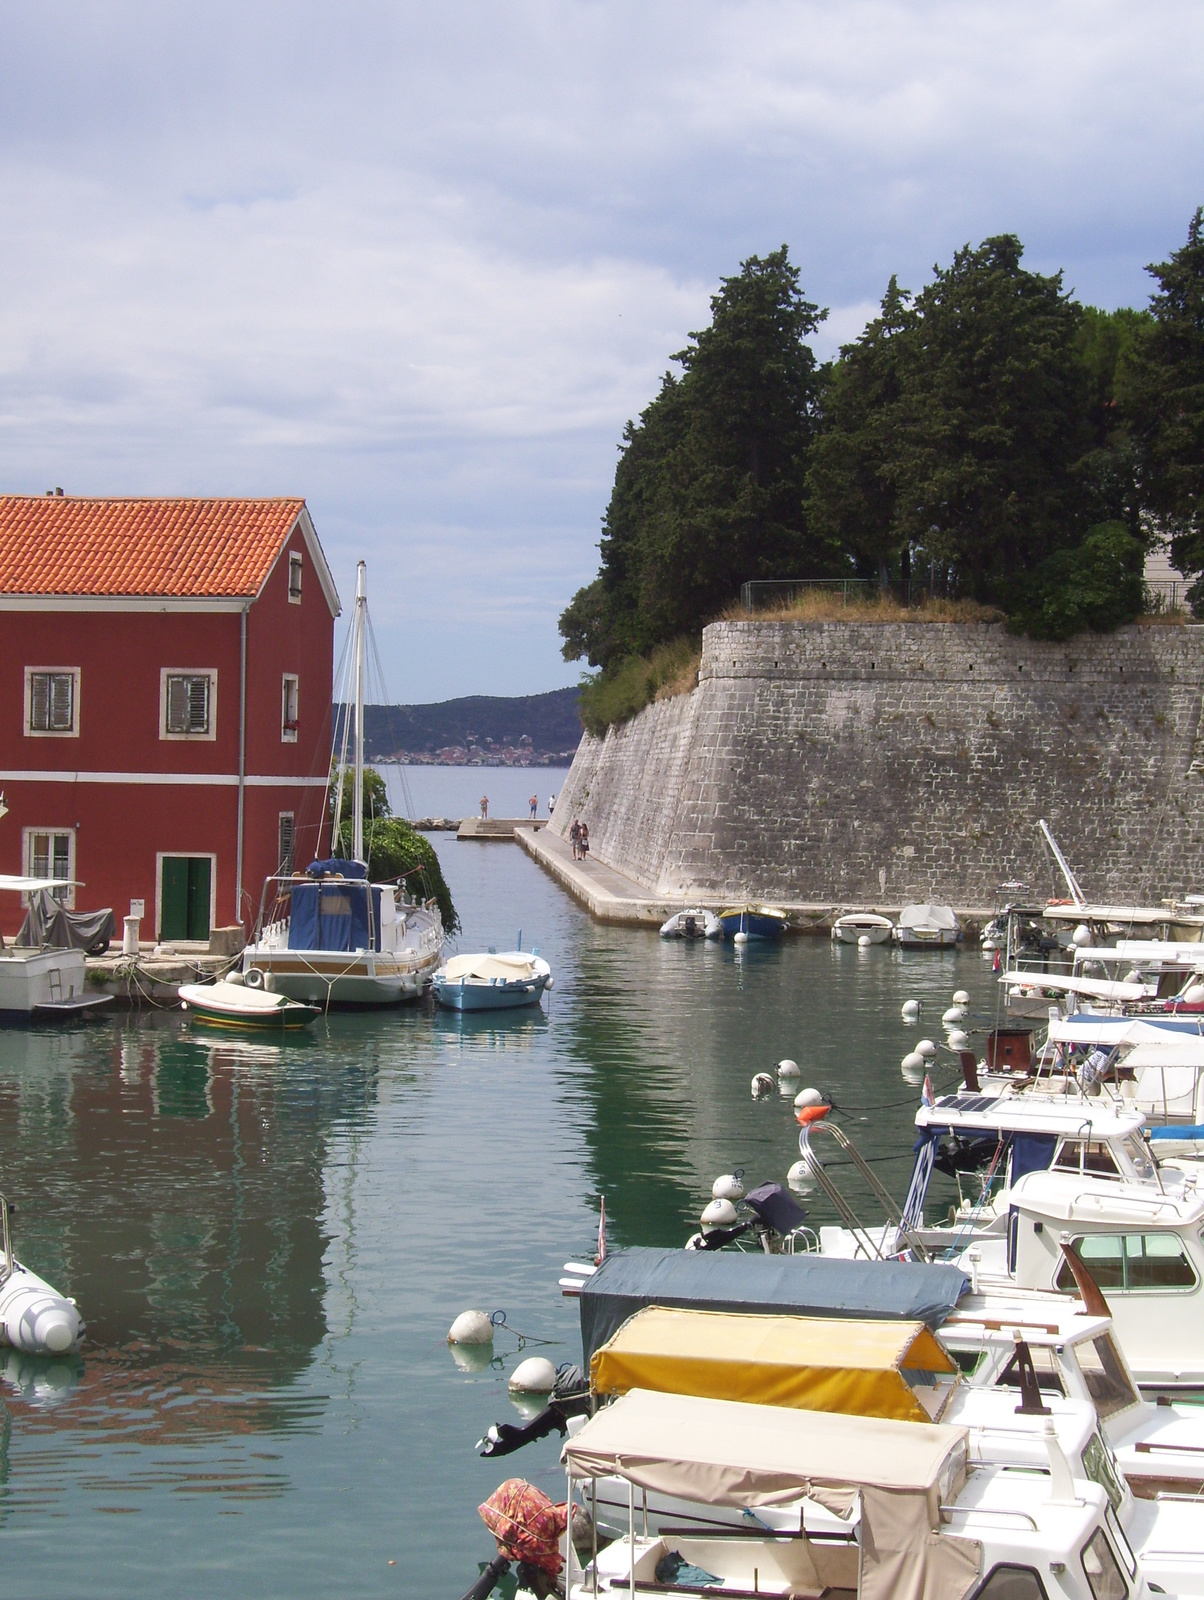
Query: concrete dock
{"points": [[154, 980], [486, 828]]}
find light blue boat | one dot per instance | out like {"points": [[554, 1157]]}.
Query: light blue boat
{"points": [[492, 982]]}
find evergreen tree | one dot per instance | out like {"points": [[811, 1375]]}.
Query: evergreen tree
{"points": [[1164, 397], [709, 487], [851, 500], [992, 420]]}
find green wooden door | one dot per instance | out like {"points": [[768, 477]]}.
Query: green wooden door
{"points": [[185, 898]]}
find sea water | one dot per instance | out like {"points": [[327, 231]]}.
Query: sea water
{"points": [[269, 1242]]}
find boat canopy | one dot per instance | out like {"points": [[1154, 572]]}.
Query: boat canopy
{"points": [[1184, 1050], [727, 1453], [1085, 1028], [333, 913], [939, 918], [1136, 916], [818, 1286], [1079, 983], [810, 1363], [506, 968], [22, 885]]}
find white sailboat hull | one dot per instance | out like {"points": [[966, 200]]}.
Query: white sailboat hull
{"points": [[342, 977]]}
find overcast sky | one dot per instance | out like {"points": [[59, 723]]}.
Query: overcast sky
{"points": [[420, 263]]}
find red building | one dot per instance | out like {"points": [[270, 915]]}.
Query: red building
{"points": [[165, 692]]}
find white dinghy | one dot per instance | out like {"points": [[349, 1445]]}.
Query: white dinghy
{"points": [[859, 925], [697, 923], [34, 1317], [492, 982]]}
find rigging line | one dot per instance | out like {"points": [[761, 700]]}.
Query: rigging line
{"points": [[406, 797]]}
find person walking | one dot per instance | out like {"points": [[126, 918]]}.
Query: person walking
{"points": [[575, 839], [583, 842], [484, 807], [534, 804]]}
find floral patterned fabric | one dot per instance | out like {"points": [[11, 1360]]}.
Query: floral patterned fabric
{"points": [[526, 1524]]}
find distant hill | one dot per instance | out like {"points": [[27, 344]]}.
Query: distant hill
{"points": [[479, 730]]}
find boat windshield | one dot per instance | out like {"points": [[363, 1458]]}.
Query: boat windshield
{"points": [[1143, 1164], [1108, 1383], [1086, 1156]]}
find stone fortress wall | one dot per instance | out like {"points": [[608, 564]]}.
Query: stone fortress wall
{"points": [[859, 764]]}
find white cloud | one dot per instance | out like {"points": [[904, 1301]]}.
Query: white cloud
{"points": [[421, 263]]}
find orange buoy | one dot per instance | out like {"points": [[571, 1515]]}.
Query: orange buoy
{"points": [[807, 1114]]}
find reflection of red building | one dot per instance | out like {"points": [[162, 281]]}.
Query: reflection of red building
{"points": [[165, 690]]}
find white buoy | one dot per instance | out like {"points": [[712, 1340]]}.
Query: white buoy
{"points": [[470, 1358], [719, 1214], [471, 1327], [926, 1048], [911, 1011], [788, 1069], [808, 1097], [727, 1187], [960, 997], [801, 1178], [535, 1375], [740, 938], [1081, 935], [958, 1040], [864, 942], [761, 1084], [953, 1016]]}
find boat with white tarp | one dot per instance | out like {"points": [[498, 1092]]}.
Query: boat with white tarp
{"points": [[492, 981], [927, 927]]}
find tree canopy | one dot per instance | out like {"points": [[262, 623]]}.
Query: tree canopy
{"points": [[393, 847], [988, 432]]}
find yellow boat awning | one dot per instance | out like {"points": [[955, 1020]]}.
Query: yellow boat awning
{"points": [[867, 1369]]}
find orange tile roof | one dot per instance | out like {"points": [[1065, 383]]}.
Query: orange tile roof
{"points": [[61, 544]]}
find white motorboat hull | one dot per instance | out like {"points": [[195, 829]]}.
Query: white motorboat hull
{"points": [[30, 979], [851, 930], [922, 939]]}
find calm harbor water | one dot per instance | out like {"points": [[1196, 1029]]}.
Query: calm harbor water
{"points": [[270, 1242]]}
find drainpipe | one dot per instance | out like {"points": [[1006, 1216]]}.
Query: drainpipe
{"points": [[242, 754]]}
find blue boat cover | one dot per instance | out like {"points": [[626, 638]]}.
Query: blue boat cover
{"points": [[337, 866], [807, 1286], [1177, 1130], [332, 914]]}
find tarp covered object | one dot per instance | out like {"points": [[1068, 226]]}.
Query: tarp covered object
{"points": [[814, 1286], [48, 925], [726, 1453], [508, 969], [810, 1363], [940, 919], [332, 914]]}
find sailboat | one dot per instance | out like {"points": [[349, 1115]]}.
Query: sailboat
{"points": [[332, 937]]}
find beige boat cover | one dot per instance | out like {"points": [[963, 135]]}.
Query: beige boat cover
{"points": [[728, 1453], [507, 968]]}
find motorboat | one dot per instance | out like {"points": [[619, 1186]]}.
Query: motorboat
{"points": [[753, 922], [34, 1317], [44, 984], [697, 923], [862, 927], [492, 981], [329, 937], [887, 1507], [927, 927], [227, 1004]]}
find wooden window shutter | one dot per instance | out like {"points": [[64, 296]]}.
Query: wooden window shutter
{"points": [[39, 701], [198, 705], [61, 686]]}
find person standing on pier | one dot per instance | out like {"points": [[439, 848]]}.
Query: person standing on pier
{"points": [[533, 802], [484, 807]]}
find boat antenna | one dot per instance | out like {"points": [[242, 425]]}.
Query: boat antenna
{"points": [[1072, 883], [357, 817]]}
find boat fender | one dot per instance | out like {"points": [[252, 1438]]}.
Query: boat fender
{"points": [[718, 1214], [269, 981], [253, 978], [550, 981], [960, 997], [762, 1083], [38, 1321], [808, 1097], [926, 1048], [1081, 935], [535, 1375], [236, 977], [1195, 995], [808, 1114], [864, 942], [728, 1187], [911, 1011], [954, 1015], [471, 1327], [788, 1069]]}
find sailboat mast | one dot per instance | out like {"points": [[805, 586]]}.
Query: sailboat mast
{"points": [[361, 604]]}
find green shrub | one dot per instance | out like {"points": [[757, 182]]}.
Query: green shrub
{"points": [[394, 848], [633, 683], [1096, 586]]}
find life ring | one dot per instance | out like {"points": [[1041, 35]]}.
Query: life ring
{"points": [[809, 1114], [254, 978]]}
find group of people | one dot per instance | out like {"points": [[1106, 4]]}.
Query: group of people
{"points": [[579, 839]]}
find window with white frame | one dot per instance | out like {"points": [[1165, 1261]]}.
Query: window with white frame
{"points": [[288, 708], [187, 703], [52, 702], [285, 840], [294, 577], [50, 853]]}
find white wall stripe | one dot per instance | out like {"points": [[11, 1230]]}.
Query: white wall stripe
{"points": [[169, 779]]}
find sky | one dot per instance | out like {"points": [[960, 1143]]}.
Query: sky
{"points": [[420, 263]]}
